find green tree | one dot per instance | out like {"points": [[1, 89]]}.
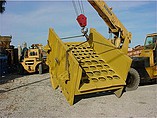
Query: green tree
{"points": [[2, 6]]}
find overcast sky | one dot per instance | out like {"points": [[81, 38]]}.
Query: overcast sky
{"points": [[30, 21]]}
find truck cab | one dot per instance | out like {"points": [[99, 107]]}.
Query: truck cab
{"points": [[146, 63], [150, 46]]}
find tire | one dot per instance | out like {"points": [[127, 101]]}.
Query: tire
{"points": [[40, 69], [133, 80], [21, 69], [155, 81]]}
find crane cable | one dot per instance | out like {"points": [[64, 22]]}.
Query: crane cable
{"points": [[81, 18], [75, 8], [80, 5]]}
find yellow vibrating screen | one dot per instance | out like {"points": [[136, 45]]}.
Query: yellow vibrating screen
{"points": [[78, 68]]}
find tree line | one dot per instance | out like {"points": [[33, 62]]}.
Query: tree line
{"points": [[2, 6]]}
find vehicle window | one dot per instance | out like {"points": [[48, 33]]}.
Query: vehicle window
{"points": [[150, 43], [33, 53], [155, 39]]}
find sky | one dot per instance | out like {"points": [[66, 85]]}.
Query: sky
{"points": [[29, 21]]}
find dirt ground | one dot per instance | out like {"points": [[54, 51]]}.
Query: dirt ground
{"points": [[33, 96]]}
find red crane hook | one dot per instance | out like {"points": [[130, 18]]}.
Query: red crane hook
{"points": [[82, 20]]}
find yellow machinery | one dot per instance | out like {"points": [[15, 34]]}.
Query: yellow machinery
{"points": [[146, 63], [5, 41], [92, 66], [8, 53], [33, 60], [136, 51], [5, 58]]}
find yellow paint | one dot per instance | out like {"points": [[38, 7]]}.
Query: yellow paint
{"points": [[86, 67]]}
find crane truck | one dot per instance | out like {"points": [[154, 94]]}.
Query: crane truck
{"points": [[146, 62], [96, 65]]}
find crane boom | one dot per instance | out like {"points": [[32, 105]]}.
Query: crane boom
{"points": [[114, 24]]}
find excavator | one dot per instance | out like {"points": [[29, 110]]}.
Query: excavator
{"points": [[95, 65]]}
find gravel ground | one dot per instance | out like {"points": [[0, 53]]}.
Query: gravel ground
{"points": [[33, 96]]}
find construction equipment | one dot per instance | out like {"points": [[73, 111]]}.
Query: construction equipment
{"points": [[136, 51], [146, 62], [8, 56], [3, 65], [33, 59], [95, 65], [5, 41]]}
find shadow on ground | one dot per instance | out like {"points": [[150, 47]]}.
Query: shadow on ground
{"points": [[9, 78], [98, 94], [14, 75], [3, 91], [91, 95]]}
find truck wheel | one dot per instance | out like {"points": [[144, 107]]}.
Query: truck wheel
{"points": [[40, 69], [133, 80], [21, 69]]}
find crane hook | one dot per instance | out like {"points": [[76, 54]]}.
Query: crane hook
{"points": [[82, 20]]}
